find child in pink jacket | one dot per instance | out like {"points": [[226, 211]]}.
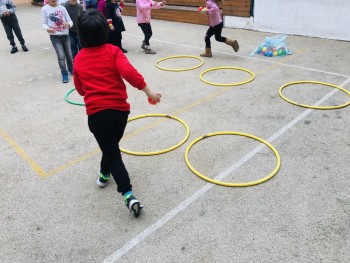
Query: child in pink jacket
{"points": [[215, 27], [143, 17]]}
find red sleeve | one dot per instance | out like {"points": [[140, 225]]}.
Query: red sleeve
{"points": [[127, 71], [78, 85]]}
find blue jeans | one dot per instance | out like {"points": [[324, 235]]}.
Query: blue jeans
{"points": [[64, 54], [75, 45]]}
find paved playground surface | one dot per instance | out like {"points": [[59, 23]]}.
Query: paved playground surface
{"points": [[52, 210]]}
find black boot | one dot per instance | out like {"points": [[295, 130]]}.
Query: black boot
{"points": [[14, 49]]}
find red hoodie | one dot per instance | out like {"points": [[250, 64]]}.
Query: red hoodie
{"points": [[98, 76]]}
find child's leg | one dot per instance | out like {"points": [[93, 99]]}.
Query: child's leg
{"points": [[147, 31], [119, 42], [17, 30], [217, 32], [208, 35], [118, 39], [108, 128], [219, 38], [112, 39], [67, 52], [9, 33], [74, 42], [58, 46]]}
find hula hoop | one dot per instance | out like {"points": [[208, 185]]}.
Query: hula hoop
{"points": [[165, 150], [234, 184], [72, 102], [311, 106], [181, 56], [232, 84]]}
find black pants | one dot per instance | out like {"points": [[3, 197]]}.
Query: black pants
{"points": [[108, 128], [10, 24], [216, 30], [147, 31], [115, 38]]}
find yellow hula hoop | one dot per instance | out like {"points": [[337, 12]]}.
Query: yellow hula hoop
{"points": [[229, 84], [181, 56], [275, 170], [311, 106], [165, 150]]}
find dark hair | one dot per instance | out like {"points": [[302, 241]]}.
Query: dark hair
{"points": [[92, 28]]}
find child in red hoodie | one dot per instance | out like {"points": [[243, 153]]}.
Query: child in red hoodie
{"points": [[105, 97]]}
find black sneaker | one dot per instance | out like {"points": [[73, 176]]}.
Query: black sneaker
{"points": [[133, 204], [102, 180], [25, 49], [14, 49]]}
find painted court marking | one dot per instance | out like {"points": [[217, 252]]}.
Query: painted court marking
{"points": [[200, 192]]}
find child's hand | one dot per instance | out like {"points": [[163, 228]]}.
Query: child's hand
{"points": [[162, 3], [65, 25], [50, 30], [153, 97], [111, 27]]}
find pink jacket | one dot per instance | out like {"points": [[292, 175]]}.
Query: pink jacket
{"points": [[214, 14], [143, 10]]}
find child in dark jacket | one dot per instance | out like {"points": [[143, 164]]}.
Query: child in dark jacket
{"points": [[10, 23], [115, 22]]}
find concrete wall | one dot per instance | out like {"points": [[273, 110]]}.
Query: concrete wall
{"points": [[316, 18]]}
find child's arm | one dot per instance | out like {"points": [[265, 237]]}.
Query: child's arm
{"points": [[121, 5], [45, 21], [154, 96], [211, 8], [68, 23], [144, 6], [11, 7], [131, 75], [77, 84], [157, 5]]}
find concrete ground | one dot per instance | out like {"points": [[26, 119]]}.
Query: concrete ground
{"points": [[52, 210]]}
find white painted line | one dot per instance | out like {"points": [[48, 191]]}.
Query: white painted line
{"points": [[247, 57], [196, 195], [230, 54], [47, 48]]}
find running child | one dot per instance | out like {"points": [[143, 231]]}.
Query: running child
{"points": [[143, 17], [215, 27], [105, 97]]}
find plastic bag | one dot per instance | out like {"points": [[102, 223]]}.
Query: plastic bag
{"points": [[273, 47]]}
